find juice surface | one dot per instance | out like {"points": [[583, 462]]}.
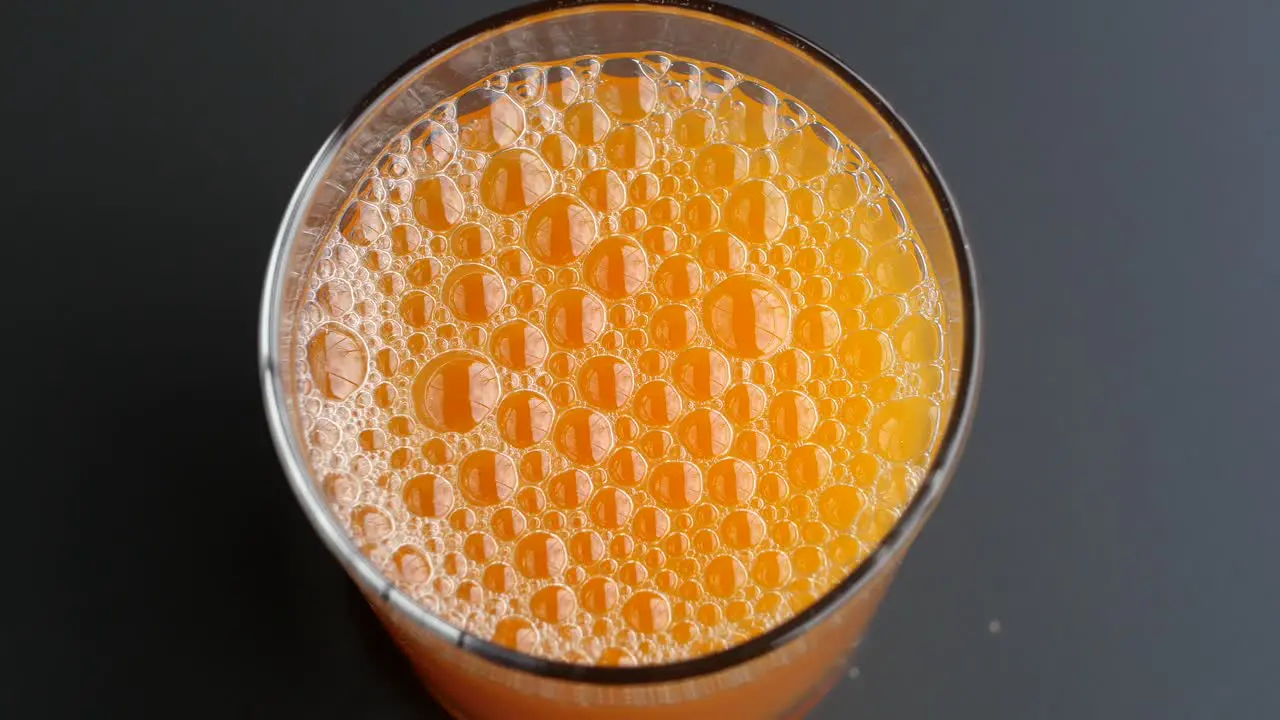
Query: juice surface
{"points": [[620, 360]]}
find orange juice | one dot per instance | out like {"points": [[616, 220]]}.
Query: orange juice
{"points": [[620, 360]]}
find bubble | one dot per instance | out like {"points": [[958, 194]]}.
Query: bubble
{"points": [[651, 524], [904, 430], [377, 261], [362, 223], [338, 361], [515, 263], [524, 418], [528, 297], [809, 152], [724, 576], [606, 382], [676, 484], [809, 560], [625, 91], [705, 433], [750, 113], [431, 147], [678, 278], [560, 230], [525, 84], [488, 120], [867, 354], [701, 374], [627, 467], [603, 190], [487, 477], [569, 489], [586, 123], [743, 403], [437, 451], [422, 272], [518, 346], [747, 316], [455, 391], [508, 524], [621, 547], [629, 148], [341, 489], [817, 328], [370, 524], [644, 189], [371, 440], [610, 508], [535, 466], [584, 436], [616, 657], [673, 327], [587, 547], [541, 555], [681, 86], [516, 633], [879, 222], [563, 394], [721, 165], [515, 180], [792, 416], [791, 368], [918, 340], [809, 466], [598, 595], [558, 150], [839, 506], [616, 267], [885, 311], [561, 87], [554, 604], [756, 212], [480, 547], [647, 612], [428, 496], [411, 566], [722, 251], [897, 267], [473, 293], [437, 203], [772, 569], [693, 128], [531, 500], [462, 519], [575, 318], [742, 529], [665, 211], [632, 219], [335, 298], [731, 482]]}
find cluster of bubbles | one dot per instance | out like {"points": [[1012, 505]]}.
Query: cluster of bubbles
{"points": [[620, 360]]}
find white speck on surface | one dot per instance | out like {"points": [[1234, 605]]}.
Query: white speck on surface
{"points": [[854, 672], [994, 627]]}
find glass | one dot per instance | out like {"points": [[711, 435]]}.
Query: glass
{"points": [[787, 669]]}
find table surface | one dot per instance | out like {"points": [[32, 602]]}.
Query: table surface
{"points": [[1107, 550]]}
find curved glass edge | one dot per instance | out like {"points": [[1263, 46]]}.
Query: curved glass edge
{"points": [[890, 548]]}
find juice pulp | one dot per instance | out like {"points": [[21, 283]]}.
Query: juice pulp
{"points": [[620, 360]]}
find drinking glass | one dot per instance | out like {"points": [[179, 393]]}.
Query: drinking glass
{"points": [[781, 673]]}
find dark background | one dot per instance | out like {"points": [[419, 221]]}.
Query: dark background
{"points": [[1116, 511]]}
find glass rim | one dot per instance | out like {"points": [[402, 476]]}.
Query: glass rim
{"points": [[908, 525]]}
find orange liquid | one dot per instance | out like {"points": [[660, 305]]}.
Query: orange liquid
{"points": [[615, 361]]}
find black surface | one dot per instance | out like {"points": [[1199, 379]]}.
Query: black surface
{"points": [[1115, 511]]}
